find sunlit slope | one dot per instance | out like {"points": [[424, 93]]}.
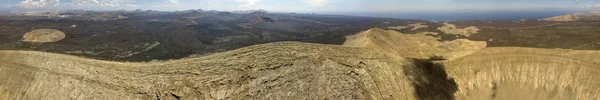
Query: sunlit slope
{"points": [[283, 70], [511, 73], [419, 45], [506, 73]]}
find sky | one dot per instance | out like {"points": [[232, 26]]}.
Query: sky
{"points": [[300, 5]]}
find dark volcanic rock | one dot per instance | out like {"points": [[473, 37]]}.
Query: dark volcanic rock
{"points": [[180, 34]]}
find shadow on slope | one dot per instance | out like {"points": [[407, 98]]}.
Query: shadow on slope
{"points": [[430, 80]]}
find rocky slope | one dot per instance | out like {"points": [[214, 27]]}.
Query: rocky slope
{"points": [[282, 70], [180, 34], [505, 73], [512, 73]]}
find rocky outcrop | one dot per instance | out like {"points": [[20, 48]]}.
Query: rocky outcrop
{"points": [[44, 35]]}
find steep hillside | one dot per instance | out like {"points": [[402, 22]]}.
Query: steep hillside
{"points": [[285, 70], [504, 73], [511, 73]]}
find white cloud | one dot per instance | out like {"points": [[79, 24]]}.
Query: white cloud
{"points": [[111, 3], [131, 5], [248, 3], [317, 2], [6, 6], [101, 3], [591, 6], [37, 3], [173, 1]]}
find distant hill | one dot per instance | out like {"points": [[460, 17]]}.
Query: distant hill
{"points": [[575, 17], [128, 35], [419, 45]]}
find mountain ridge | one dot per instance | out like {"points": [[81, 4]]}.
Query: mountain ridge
{"points": [[263, 71]]}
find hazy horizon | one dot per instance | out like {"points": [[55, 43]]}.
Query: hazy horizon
{"points": [[442, 10], [302, 6]]}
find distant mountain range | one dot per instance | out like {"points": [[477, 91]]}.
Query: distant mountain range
{"points": [[453, 15], [295, 70]]}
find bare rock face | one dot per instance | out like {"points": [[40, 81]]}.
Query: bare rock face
{"points": [[44, 35]]}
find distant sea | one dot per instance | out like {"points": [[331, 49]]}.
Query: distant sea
{"points": [[466, 15]]}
